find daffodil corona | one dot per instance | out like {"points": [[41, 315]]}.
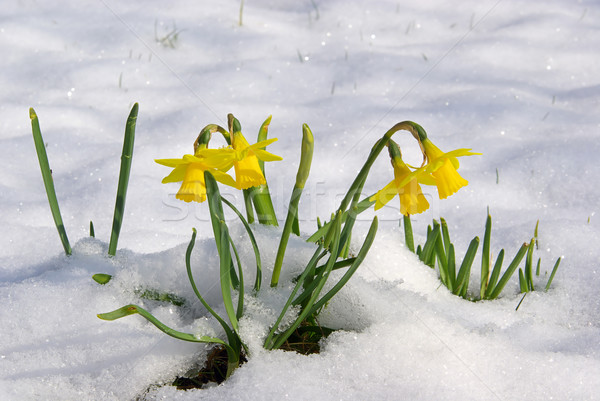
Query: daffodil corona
{"points": [[190, 171], [247, 170], [442, 166]]}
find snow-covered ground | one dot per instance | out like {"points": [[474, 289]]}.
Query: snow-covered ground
{"points": [[517, 81]]}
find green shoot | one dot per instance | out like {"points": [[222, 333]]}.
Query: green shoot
{"points": [[408, 233], [48, 181], [554, 269], [292, 216], [123, 179]]}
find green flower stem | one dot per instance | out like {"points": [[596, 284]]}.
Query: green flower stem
{"points": [[351, 200], [48, 181], [291, 221], [285, 235], [123, 179]]}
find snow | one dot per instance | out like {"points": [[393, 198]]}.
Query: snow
{"points": [[516, 81]]}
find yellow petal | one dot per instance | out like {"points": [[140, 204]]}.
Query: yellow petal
{"points": [[383, 196], [267, 156]]}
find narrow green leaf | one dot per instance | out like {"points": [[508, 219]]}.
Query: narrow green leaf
{"points": [[495, 274], [240, 305], [92, 233], [464, 272], [408, 233], [231, 336], [225, 264], [440, 252], [523, 281], [428, 253], [554, 269], [258, 280], [248, 204], [48, 181], [537, 269], [509, 272], [217, 216], [529, 265], [232, 354], [135, 309], [451, 271], [125, 170], [485, 257], [445, 235]]}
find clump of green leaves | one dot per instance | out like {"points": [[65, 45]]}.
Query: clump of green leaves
{"points": [[438, 250]]}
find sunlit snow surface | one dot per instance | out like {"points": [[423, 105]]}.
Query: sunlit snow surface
{"points": [[517, 81]]}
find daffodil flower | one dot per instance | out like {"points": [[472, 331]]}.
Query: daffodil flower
{"points": [[406, 185], [442, 166], [190, 170], [247, 171]]}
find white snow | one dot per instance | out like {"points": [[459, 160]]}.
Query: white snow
{"points": [[516, 81]]}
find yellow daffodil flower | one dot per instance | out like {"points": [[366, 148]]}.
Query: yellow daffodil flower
{"points": [[406, 185], [247, 171], [442, 166], [190, 170]]}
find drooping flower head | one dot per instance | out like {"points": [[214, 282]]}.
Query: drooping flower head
{"points": [[441, 166], [405, 184]]}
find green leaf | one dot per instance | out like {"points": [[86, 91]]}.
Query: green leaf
{"points": [[92, 233], [233, 354], [102, 278], [240, 305], [554, 269], [495, 274], [131, 309], [428, 253], [258, 280], [451, 271], [48, 181], [408, 233], [217, 216], [523, 281], [529, 266], [226, 276], [125, 170], [232, 337], [485, 257], [462, 280], [509, 272]]}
